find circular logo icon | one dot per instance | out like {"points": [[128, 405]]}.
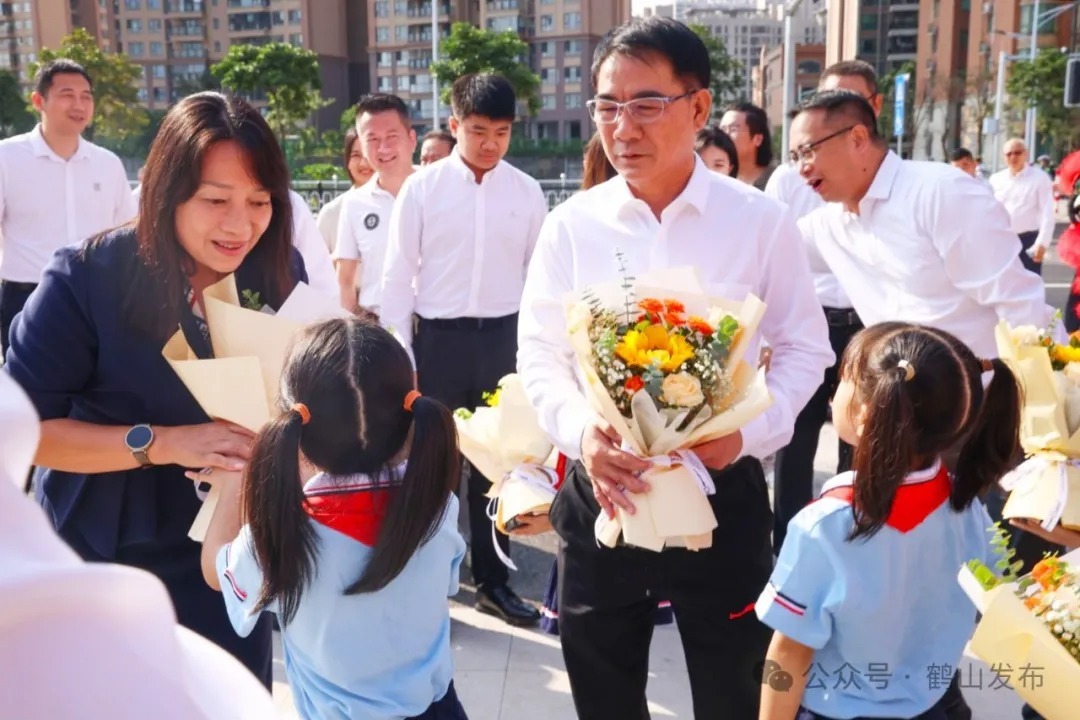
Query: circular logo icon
{"points": [[371, 221]]}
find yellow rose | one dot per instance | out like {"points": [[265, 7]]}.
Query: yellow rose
{"points": [[682, 390]]}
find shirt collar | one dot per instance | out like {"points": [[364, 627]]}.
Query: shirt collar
{"points": [[919, 476], [42, 149], [373, 189], [466, 172], [881, 187], [695, 194]]}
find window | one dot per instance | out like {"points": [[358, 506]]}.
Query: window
{"points": [[499, 24], [546, 49], [157, 49], [572, 74], [547, 101], [869, 46], [402, 82], [217, 23], [296, 39], [278, 17], [382, 9], [217, 46], [868, 21], [547, 23], [136, 49], [386, 83], [157, 71], [401, 33], [294, 16], [158, 94], [401, 7], [572, 101], [549, 76], [809, 67], [134, 26], [382, 34], [573, 130], [141, 94], [133, 4], [573, 47], [153, 25], [153, 4], [571, 20], [384, 59]]}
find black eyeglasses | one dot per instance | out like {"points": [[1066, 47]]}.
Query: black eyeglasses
{"points": [[642, 110], [805, 153]]}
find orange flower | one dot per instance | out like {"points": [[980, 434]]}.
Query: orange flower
{"points": [[674, 306], [674, 319], [633, 384], [651, 305], [699, 325]]}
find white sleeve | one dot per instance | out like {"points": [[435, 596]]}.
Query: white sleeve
{"points": [[126, 208], [241, 581], [795, 329], [1047, 208], [346, 247], [402, 261], [309, 243], [545, 359], [981, 252]]}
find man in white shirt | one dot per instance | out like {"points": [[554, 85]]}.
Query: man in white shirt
{"points": [[748, 127], [912, 241], [1027, 193], [963, 160], [56, 188], [309, 242], [793, 478], [664, 209], [388, 140], [438, 144], [461, 235]]}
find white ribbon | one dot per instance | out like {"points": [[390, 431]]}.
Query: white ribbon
{"points": [[686, 458], [538, 476], [1031, 471]]}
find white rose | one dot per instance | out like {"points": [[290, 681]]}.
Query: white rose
{"points": [[1026, 335], [716, 316], [682, 390]]}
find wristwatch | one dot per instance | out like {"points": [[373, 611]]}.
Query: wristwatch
{"points": [[138, 441]]}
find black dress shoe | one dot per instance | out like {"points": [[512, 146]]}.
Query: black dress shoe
{"points": [[503, 603]]}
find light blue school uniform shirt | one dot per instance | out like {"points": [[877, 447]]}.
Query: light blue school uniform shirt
{"points": [[885, 615], [374, 656]]}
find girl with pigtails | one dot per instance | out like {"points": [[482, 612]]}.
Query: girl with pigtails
{"points": [[344, 525], [864, 599]]}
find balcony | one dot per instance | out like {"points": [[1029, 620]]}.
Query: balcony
{"points": [[250, 22], [424, 10], [184, 7]]}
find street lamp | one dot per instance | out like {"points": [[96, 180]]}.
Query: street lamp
{"points": [[789, 75], [434, 58]]}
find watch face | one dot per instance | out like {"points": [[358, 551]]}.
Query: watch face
{"points": [[139, 437]]}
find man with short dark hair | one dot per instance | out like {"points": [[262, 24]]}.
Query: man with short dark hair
{"points": [[56, 188], [461, 235], [664, 209], [437, 145], [388, 142], [748, 127], [963, 160]]}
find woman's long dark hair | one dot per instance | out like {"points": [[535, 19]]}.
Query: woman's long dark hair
{"points": [[911, 422], [173, 171], [353, 376], [596, 168], [712, 135]]}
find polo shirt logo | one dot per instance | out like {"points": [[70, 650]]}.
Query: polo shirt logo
{"points": [[371, 221], [97, 187]]}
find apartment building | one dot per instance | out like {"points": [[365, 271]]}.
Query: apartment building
{"points": [[768, 83], [28, 26], [562, 35], [747, 27], [884, 33]]}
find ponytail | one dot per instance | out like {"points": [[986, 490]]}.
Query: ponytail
{"points": [[994, 440], [273, 501], [887, 449], [418, 503]]}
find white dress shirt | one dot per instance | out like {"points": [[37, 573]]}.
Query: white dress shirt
{"points": [[363, 232], [787, 186], [930, 246], [47, 202], [1028, 197], [739, 240], [309, 242], [465, 245]]}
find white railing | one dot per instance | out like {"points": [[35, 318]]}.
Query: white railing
{"points": [[320, 192]]}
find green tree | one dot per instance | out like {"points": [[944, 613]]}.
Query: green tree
{"points": [[469, 49], [348, 119], [15, 115], [728, 82], [1041, 82], [286, 75], [118, 114]]}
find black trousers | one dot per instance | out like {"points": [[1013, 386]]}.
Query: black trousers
{"points": [[12, 298], [448, 708], [1071, 319], [607, 602], [1027, 239], [793, 478], [199, 608], [457, 361]]}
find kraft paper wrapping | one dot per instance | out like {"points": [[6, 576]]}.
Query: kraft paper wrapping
{"points": [[505, 443], [675, 512], [240, 383], [1011, 637], [1038, 485]]}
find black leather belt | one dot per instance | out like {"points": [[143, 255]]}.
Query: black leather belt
{"points": [[467, 323], [24, 287], [841, 317]]}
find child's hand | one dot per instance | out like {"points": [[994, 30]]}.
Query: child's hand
{"points": [[532, 525], [1058, 536]]}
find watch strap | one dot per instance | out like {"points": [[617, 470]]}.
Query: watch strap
{"points": [[142, 458]]}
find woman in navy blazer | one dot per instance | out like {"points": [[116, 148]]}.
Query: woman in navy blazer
{"points": [[87, 350]]}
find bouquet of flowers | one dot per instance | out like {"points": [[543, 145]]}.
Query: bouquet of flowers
{"points": [[504, 441], [1030, 622], [1046, 487], [250, 344], [663, 364]]}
